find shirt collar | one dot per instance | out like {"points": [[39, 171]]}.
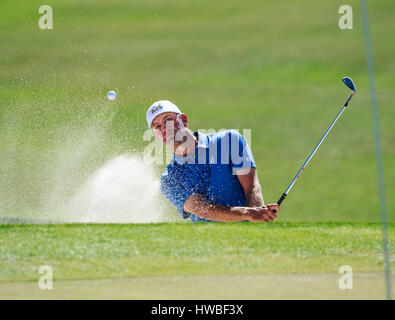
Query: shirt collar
{"points": [[202, 143]]}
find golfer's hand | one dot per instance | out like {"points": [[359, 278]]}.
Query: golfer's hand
{"points": [[260, 214], [274, 207]]}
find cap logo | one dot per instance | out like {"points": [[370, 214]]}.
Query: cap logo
{"points": [[156, 108]]}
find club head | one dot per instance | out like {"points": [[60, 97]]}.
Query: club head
{"points": [[349, 83]]}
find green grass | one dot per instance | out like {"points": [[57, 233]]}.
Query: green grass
{"points": [[234, 287], [123, 251], [272, 67]]}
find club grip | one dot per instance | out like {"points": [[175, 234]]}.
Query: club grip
{"points": [[281, 199]]}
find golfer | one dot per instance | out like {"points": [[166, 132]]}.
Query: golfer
{"points": [[210, 177]]}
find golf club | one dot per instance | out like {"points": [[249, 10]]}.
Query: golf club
{"points": [[350, 84]]}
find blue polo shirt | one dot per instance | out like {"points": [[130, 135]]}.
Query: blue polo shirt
{"points": [[211, 172]]}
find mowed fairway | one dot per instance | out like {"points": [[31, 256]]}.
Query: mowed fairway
{"points": [[235, 287], [159, 261]]}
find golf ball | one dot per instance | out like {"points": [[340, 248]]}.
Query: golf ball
{"points": [[111, 95]]}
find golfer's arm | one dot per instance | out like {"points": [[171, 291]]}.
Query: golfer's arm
{"points": [[199, 205], [248, 179]]}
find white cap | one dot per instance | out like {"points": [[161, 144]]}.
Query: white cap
{"points": [[158, 108]]}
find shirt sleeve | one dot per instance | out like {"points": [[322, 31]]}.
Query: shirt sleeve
{"points": [[177, 191], [241, 155]]}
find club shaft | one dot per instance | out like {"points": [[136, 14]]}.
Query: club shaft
{"points": [[313, 152]]}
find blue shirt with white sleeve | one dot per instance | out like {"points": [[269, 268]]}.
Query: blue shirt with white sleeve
{"points": [[211, 172]]}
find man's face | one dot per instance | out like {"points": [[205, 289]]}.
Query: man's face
{"points": [[168, 127]]}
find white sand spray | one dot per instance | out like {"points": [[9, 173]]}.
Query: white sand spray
{"points": [[124, 190], [75, 169]]}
